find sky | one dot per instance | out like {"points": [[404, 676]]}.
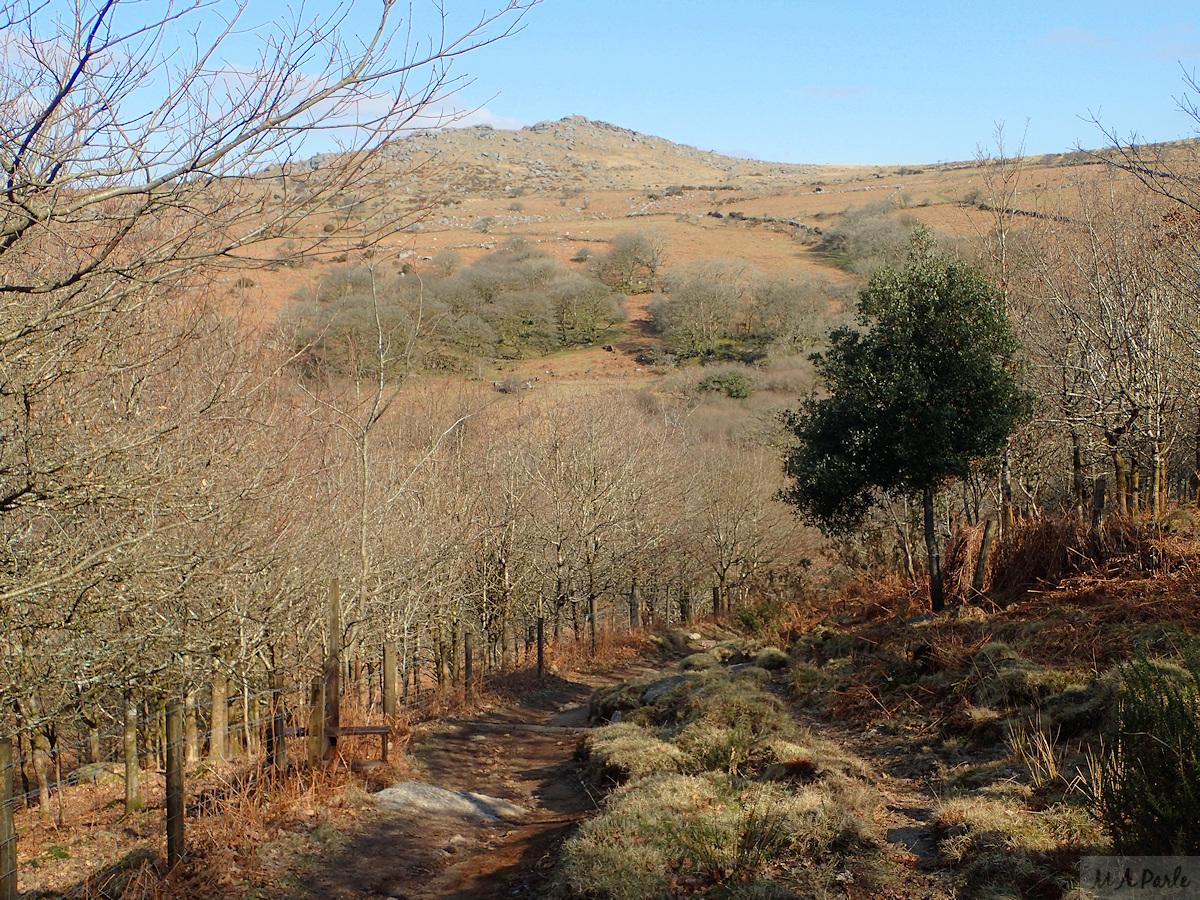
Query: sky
{"points": [[852, 81], [847, 82]]}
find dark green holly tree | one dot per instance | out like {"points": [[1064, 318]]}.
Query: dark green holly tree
{"points": [[921, 392]]}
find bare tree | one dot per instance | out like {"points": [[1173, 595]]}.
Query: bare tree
{"points": [[1111, 331], [133, 168], [139, 499]]}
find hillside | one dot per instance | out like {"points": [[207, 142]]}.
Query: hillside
{"points": [[569, 187], [575, 151]]}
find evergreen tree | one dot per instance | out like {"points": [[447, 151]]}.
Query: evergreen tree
{"points": [[920, 394]]}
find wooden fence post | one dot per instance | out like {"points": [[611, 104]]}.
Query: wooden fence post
{"points": [[716, 600], [541, 647], [331, 700], [316, 722], [468, 662], [8, 833], [175, 754], [389, 679]]}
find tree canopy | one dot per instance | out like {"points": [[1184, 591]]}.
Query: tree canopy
{"points": [[920, 392]]}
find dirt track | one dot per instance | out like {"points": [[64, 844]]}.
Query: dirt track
{"points": [[524, 754]]}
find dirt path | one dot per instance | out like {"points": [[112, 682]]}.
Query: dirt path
{"points": [[523, 754], [905, 814]]}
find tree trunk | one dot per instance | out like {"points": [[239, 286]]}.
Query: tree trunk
{"points": [[249, 717], [1120, 482], [1135, 482], [591, 612], [218, 739], [541, 648], [1078, 483], [1098, 499], [40, 752], [389, 680], [94, 751], [133, 793], [985, 555], [191, 730], [936, 595], [1007, 519], [1196, 467], [905, 537], [1158, 484]]}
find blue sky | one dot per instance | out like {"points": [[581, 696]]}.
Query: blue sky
{"points": [[855, 81], [848, 82]]}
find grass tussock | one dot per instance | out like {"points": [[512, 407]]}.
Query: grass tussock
{"points": [[722, 794], [617, 753], [713, 835]]}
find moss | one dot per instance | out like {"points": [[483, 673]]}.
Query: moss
{"points": [[756, 675], [811, 685], [824, 643], [1079, 709], [730, 651], [1002, 678]]}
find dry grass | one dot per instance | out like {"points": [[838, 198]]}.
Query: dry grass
{"points": [[235, 818], [997, 845], [1037, 749], [686, 835], [617, 753], [723, 791]]}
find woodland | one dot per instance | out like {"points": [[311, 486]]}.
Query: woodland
{"points": [[182, 477]]}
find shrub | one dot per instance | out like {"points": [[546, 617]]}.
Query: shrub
{"points": [[632, 265], [732, 384], [868, 237], [1149, 792]]}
